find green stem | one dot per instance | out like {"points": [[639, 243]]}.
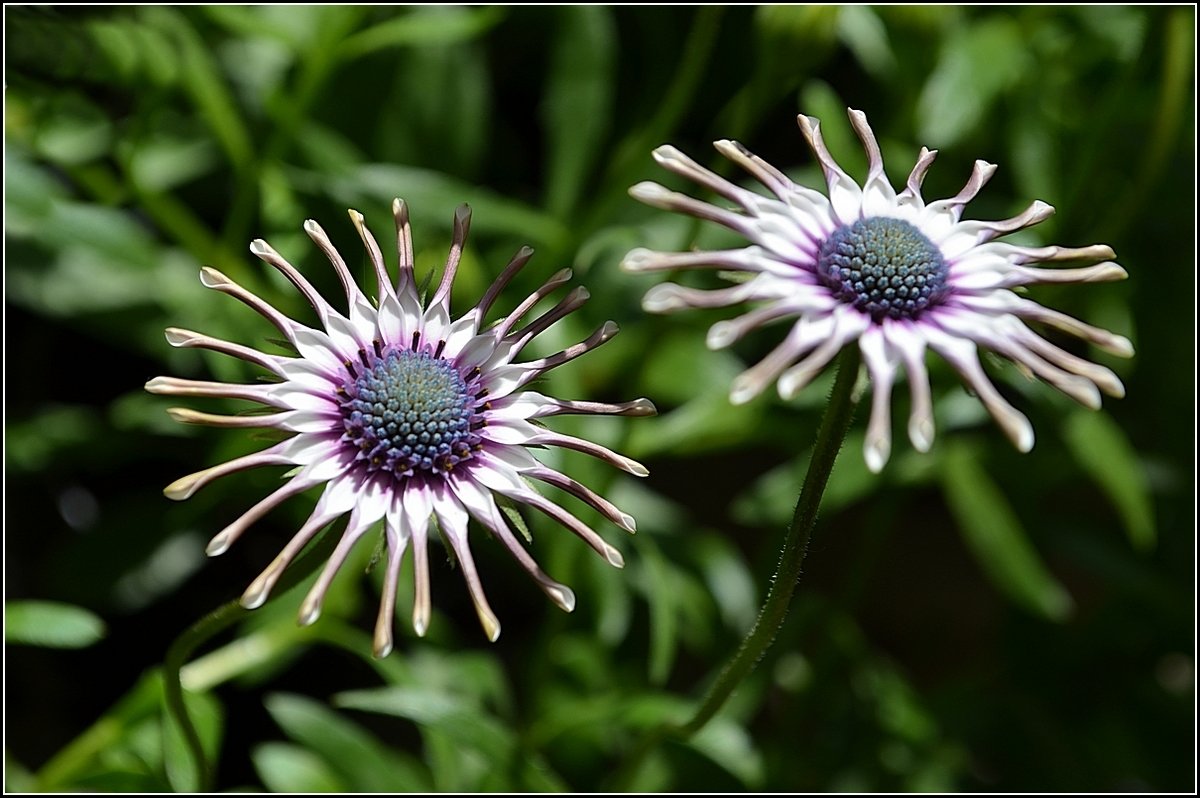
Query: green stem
{"points": [[177, 655], [212, 624], [830, 436]]}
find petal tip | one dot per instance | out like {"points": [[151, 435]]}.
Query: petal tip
{"points": [[491, 626], [182, 488], [876, 453], [662, 298], [720, 335], [649, 192], [642, 407], [218, 545], [1121, 346], [310, 611], [740, 392], [211, 278], [563, 596], [178, 337], [667, 152], [254, 597], [382, 645], [921, 433], [635, 468]]}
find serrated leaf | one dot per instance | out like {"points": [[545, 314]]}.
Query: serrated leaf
{"points": [[50, 624], [1101, 448], [994, 534]]}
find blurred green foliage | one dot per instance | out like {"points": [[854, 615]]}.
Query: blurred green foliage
{"points": [[971, 619]]}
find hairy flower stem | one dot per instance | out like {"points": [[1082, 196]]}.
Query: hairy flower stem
{"points": [[177, 655], [205, 629], [830, 436]]}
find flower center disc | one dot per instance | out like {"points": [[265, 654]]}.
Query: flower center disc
{"points": [[410, 412], [884, 267]]}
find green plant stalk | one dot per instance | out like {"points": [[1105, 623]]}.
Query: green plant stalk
{"points": [[830, 436], [56, 773], [212, 624], [179, 652]]}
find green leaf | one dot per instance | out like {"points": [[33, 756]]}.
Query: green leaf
{"points": [[206, 715], [537, 776], [73, 131], [358, 759], [118, 780], [417, 125], [730, 746], [287, 768], [660, 592], [866, 36], [976, 66], [509, 508], [164, 161], [1122, 28], [728, 580], [50, 624], [427, 191], [423, 27], [33, 444], [578, 100], [1101, 448], [16, 777], [993, 532], [205, 85], [467, 725]]}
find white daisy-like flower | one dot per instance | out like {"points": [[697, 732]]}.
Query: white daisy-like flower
{"points": [[404, 415], [888, 270]]}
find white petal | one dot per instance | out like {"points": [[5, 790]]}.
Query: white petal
{"points": [[881, 365], [317, 348]]}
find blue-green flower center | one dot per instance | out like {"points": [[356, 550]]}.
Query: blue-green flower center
{"points": [[884, 267], [410, 411]]}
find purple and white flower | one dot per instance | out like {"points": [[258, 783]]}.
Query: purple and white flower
{"points": [[404, 415], [888, 270]]}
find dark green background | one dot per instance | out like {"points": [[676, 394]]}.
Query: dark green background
{"points": [[971, 619]]}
